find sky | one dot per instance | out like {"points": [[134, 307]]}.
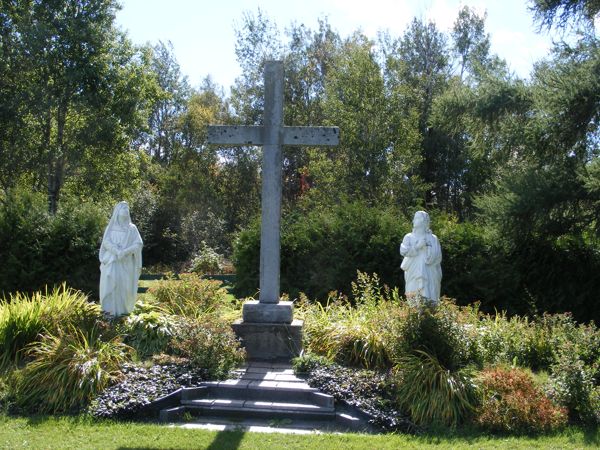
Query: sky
{"points": [[203, 31]]}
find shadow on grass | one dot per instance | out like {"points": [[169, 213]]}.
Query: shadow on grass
{"points": [[224, 440]]}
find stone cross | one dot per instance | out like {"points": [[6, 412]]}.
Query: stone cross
{"points": [[272, 135]]}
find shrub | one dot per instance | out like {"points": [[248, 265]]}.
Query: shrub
{"points": [[24, 317], [572, 385], [209, 344], [440, 332], [67, 371], [431, 393], [38, 249], [511, 402], [189, 295], [517, 340], [206, 260], [148, 329]]}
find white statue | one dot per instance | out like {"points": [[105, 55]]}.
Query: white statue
{"points": [[422, 261], [120, 263]]}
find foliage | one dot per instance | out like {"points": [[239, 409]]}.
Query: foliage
{"points": [[149, 329], [23, 318], [67, 371], [354, 333], [432, 393], [190, 295], [572, 385], [511, 402], [78, 91], [322, 250], [209, 344], [206, 261], [440, 332], [307, 362], [38, 249]]}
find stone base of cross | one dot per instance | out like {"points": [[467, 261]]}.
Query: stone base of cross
{"points": [[272, 135]]}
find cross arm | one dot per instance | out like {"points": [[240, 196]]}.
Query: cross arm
{"points": [[235, 134], [311, 136]]}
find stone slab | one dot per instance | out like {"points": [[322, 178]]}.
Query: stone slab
{"points": [[254, 311], [270, 341]]}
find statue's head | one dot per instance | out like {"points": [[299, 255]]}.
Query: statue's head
{"points": [[121, 213], [421, 220]]}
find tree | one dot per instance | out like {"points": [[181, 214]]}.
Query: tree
{"points": [[417, 65], [560, 13], [81, 88], [471, 42], [163, 137]]}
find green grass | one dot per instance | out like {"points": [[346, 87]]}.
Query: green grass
{"points": [[49, 432]]}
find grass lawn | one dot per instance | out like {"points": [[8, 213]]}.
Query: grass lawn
{"points": [[79, 433]]}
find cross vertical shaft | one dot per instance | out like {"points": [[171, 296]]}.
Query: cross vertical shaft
{"points": [[272, 135], [271, 184]]}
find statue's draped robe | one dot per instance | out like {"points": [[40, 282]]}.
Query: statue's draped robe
{"points": [[422, 267], [119, 277]]}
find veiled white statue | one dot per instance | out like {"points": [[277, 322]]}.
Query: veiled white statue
{"points": [[422, 261], [120, 263]]}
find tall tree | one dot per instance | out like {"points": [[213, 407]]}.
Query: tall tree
{"points": [[84, 88], [561, 13], [163, 137], [471, 42], [418, 65]]}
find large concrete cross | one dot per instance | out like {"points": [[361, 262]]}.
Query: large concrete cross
{"points": [[272, 135]]}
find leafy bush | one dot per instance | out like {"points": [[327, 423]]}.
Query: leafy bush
{"points": [[572, 385], [24, 317], [443, 332], [432, 393], [511, 402], [38, 249], [67, 371], [206, 260], [190, 295], [148, 329], [209, 344]]}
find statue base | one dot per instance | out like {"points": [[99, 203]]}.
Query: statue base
{"points": [[254, 311], [270, 341]]}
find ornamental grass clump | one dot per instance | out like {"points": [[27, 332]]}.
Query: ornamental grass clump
{"points": [[67, 371], [23, 318], [357, 332], [512, 402], [431, 393]]}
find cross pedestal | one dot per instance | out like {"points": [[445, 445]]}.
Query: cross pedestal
{"points": [[268, 322]]}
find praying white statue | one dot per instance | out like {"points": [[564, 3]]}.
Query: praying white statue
{"points": [[120, 263], [422, 261]]}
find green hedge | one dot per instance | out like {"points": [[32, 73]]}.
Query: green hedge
{"points": [[322, 250], [38, 249]]}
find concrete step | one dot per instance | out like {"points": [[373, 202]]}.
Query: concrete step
{"points": [[259, 409], [258, 391]]}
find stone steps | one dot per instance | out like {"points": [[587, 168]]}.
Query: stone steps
{"points": [[264, 392]]}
